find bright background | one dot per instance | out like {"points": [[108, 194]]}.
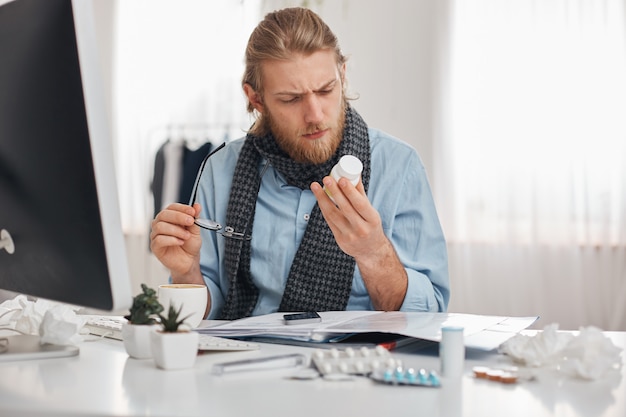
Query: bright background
{"points": [[515, 106]]}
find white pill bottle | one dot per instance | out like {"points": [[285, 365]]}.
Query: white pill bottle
{"points": [[349, 167]]}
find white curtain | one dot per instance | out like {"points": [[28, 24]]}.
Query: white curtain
{"points": [[177, 67], [531, 159]]}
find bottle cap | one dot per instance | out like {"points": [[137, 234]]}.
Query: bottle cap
{"points": [[349, 167]]}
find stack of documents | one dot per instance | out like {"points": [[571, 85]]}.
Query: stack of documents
{"points": [[481, 332]]}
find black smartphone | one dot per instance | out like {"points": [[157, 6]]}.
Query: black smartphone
{"points": [[302, 318]]}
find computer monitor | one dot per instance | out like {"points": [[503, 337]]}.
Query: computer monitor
{"points": [[60, 222]]}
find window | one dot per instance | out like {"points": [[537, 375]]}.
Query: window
{"points": [[536, 151]]}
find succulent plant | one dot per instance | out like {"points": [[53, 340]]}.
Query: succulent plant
{"points": [[171, 322], [145, 307]]}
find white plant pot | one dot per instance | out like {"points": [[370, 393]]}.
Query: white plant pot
{"points": [[136, 338], [174, 350]]}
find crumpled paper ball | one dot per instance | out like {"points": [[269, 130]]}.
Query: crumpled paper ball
{"points": [[588, 355], [54, 322]]}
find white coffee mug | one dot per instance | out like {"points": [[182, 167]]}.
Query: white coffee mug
{"points": [[191, 297]]}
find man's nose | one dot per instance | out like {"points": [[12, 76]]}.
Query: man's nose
{"points": [[313, 109]]}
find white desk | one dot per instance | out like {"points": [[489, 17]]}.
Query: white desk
{"points": [[103, 380]]}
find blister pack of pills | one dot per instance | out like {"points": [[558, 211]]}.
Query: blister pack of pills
{"points": [[362, 361], [408, 376], [378, 364]]}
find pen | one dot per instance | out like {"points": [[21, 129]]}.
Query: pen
{"points": [[258, 364]]}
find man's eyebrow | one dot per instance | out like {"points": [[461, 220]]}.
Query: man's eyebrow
{"points": [[299, 93]]}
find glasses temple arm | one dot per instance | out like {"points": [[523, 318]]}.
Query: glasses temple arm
{"points": [[206, 158]]}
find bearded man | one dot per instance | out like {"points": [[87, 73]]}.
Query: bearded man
{"points": [[286, 246]]}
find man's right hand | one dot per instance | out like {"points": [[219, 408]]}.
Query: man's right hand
{"points": [[175, 240]]}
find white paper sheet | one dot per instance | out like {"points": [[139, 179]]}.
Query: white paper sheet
{"points": [[480, 331]]}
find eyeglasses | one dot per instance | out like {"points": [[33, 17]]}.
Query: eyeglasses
{"points": [[212, 225]]}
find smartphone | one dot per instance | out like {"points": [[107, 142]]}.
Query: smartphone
{"points": [[302, 318]]}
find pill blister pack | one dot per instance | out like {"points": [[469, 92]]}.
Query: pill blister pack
{"points": [[362, 361], [408, 376], [377, 363]]}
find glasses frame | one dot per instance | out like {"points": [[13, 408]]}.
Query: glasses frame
{"points": [[207, 224]]}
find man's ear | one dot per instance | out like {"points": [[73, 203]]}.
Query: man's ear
{"points": [[253, 97]]}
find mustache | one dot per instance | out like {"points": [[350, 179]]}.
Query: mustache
{"points": [[313, 129]]}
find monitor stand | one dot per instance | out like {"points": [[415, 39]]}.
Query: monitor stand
{"points": [[27, 347]]}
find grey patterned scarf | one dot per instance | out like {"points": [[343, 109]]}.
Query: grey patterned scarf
{"points": [[321, 274]]}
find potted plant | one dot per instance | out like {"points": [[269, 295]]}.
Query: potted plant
{"points": [[174, 347], [141, 322]]}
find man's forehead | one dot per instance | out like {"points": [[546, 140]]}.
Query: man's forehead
{"points": [[300, 74]]}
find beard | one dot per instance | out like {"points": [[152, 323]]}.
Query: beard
{"points": [[308, 151]]}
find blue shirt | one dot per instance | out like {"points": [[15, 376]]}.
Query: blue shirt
{"points": [[398, 190]]}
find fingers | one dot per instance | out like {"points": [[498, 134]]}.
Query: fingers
{"points": [[354, 222], [351, 201], [174, 225], [179, 214], [197, 208]]}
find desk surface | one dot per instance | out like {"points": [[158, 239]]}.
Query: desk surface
{"points": [[103, 380]]}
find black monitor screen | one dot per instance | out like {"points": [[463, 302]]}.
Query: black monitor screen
{"points": [[58, 200]]}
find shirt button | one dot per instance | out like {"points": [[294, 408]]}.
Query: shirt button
{"points": [[306, 217]]}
